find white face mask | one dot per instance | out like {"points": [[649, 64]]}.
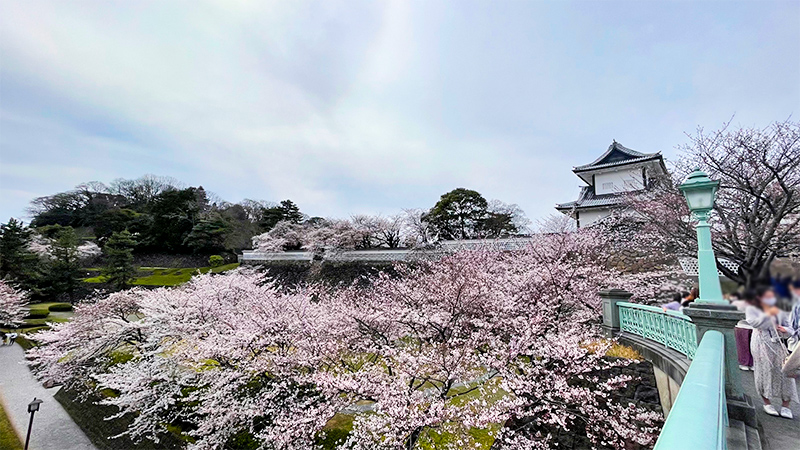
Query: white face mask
{"points": [[769, 301]]}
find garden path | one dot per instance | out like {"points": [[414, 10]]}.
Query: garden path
{"points": [[53, 428], [777, 433]]}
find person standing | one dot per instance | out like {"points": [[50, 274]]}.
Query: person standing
{"points": [[743, 332], [769, 355], [794, 318], [674, 305], [693, 295]]}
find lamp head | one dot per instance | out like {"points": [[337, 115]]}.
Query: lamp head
{"points": [[34, 405], [700, 192]]}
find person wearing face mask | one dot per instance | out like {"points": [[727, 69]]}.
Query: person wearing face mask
{"points": [[769, 354]]}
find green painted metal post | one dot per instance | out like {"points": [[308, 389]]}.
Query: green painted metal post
{"points": [[610, 298], [700, 191], [710, 289], [711, 312]]}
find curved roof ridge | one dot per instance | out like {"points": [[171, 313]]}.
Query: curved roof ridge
{"points": [[633, 155], [623, 149]]}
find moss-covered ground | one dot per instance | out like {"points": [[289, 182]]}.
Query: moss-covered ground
{"points": [[338, 428], [8, 437]]}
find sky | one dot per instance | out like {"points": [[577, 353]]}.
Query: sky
{"points": [[350, 107]]}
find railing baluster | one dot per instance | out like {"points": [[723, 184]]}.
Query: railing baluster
{"points": [[672, 329]]}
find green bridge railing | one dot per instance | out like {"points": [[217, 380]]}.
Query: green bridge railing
{"points": [[699, 417], [673, 329]]}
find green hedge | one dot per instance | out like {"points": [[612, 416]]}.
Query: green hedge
{"points": [[41, 322], [216, 260], [24, 342], [60, 307], [37, 312]]}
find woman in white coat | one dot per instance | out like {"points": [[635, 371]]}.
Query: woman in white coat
{"points": [[769, 355]]}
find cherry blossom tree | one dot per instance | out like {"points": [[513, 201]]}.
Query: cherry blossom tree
{"points": [[379, 231], [89, 250], [283, 236], [333, 236], [189, 356], [330, 235], [41, 246], [417, 232], [12, 304], [756, 216], [510, 327], [480, 339]]}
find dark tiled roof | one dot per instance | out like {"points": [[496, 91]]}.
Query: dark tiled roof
{"points": [[616, 155], [588, 199]]}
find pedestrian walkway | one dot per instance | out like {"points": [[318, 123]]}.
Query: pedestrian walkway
{"points": [[777, 433], [53, 428]]}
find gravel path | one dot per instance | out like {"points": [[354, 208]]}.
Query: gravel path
{"points": [[53, 428]]}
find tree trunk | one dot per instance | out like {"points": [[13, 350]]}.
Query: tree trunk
{"points": [[413, 438]]}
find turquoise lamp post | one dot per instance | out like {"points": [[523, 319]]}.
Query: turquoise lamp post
{"points": [[711, 311], [700, 191]]}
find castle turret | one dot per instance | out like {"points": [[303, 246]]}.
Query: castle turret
{"points": [[617, 171]]}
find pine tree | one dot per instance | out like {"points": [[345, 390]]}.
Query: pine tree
{"points": [[119, 270], [64, 267], [17, 262]]}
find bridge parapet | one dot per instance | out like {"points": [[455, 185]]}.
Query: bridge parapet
{"points": [[701, 416], [671, 328]]}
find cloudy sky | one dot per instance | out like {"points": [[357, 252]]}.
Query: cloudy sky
{"points": [[351, 107]]}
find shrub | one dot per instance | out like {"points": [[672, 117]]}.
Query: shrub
{"points": [[618, 350], [216, 260], [37, 312], [60, 307], [24, 339]]}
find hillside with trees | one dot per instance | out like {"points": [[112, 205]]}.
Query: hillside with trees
{"points": [[106, 233]]}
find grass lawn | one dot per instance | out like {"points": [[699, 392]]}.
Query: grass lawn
{"points": [[42, 313], [8, 438], [168, 277], [336, 431]]}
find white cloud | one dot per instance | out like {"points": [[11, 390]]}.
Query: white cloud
{"points": [[347, 106]]}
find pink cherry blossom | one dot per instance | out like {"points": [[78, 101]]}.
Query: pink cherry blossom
{"points": [[479, 338], [12, 304]]}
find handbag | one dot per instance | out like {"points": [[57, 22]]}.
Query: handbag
{"points": [[791, 366]]}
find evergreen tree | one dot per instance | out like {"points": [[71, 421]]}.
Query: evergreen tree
{"points": [[208, 236], [286, 211], [119, 270], [17, 262], [63, 269], [459, 214]]}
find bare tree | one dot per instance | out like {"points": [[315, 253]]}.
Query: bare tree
{"points": [[390, 231], [418, 232], [144, 189], [757, 213]]}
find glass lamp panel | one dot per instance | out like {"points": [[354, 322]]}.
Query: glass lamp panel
{"points": [[700, 199]]}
